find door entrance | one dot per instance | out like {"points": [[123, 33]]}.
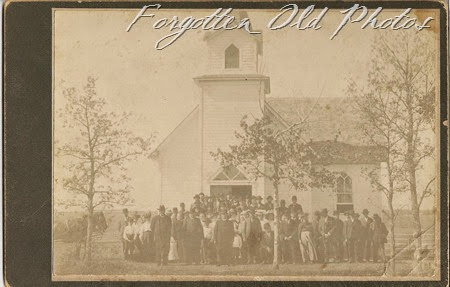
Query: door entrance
{"points": [[238, 191]]}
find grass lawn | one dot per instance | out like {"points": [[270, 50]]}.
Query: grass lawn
{"points": [[106, 262]]}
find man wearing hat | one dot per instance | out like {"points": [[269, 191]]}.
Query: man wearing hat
{"points": [[352, 235], [223, 239], [294, 206], [292, 238], [366, 236], [161, 226], [379, 234], [338, 236], [252, 235], [196, 204], [282, 209], [182, 208], [193, 234], [326, 230]]}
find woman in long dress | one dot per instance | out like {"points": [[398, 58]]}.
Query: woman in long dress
{"points": [[307, 246]]}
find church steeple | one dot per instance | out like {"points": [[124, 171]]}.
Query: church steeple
{"points": [[233, 51]]}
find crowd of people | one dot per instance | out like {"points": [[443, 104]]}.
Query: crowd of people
{"points": [[228, 230]]}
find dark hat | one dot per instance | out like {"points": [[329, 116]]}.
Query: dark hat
{"points": [[365, 211], [294, 197], [175, 210], [324, 211], [355, 215], [259, 197], [125, 210], [196, 196], [201, 193], [375, 215], [270, 197], [162, 208]]}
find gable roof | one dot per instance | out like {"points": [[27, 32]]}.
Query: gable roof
{"points": [[192, 114], [333, 129], [335, 152], [328, 118]]}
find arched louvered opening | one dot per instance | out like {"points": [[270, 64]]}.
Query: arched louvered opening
{"points": [[231, 57]]}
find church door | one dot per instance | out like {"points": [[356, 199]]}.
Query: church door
{"points": [[238, 191], [230, 180]]}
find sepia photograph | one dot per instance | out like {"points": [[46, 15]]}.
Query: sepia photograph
{"points": [[290, 144]]}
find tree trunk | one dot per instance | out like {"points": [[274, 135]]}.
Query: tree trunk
{"points": [[392, 216], [415, 207], [276, 225], [90, 223]]}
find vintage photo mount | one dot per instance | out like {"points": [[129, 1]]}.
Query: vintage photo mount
{"points": [[27, 130]]}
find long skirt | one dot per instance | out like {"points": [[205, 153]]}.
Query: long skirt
{"points": [[307, 247], [173, 251]]}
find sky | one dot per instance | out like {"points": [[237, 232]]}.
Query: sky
{"points": [[157, 85]]}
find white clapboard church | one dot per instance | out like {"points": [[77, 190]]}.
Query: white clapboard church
{"points": [[231, 88]]}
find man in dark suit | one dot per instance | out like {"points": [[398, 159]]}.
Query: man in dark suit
{"points": [[223, 239], [193, 234], [282, 209], [292, 238], [294, 206], [338, 237], [366, 235], [326, 230], [352, 234], [161, 226], [252, 235], [196, 204]]}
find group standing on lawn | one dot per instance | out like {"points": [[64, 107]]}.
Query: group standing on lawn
{"points": [[229, 230]]}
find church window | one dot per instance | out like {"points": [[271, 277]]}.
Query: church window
{"points": [[230, 173], [344, 193], [231, 57]]}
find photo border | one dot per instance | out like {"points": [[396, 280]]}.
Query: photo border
{"points": [[27, 130]]}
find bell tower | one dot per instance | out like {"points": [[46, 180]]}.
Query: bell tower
{"points": [[231, 88]]}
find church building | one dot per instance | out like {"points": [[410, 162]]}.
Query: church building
{"points": [[233, 87]]}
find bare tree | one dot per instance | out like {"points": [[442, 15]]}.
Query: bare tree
{"points": [[97, 154], [402, 92], [379, 110], [277, 154]]}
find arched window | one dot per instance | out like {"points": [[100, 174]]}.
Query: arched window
{"points": [[231, 57], [344, 193]]}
